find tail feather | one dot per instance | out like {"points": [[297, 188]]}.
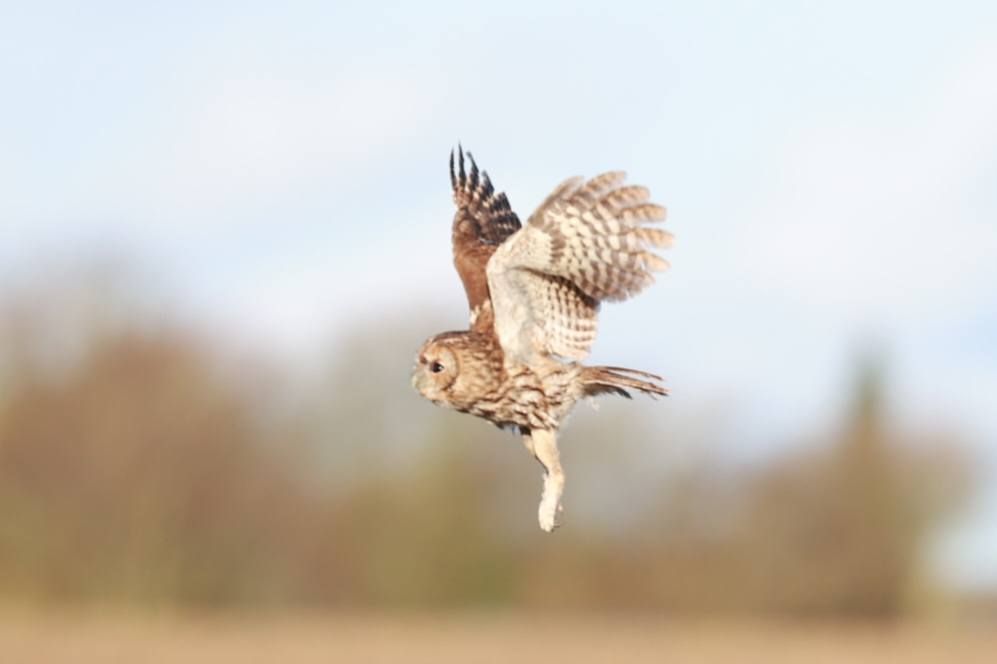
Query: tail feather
{"points": [[617, 380]]}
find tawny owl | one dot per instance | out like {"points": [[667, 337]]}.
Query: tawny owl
{"points": [[534, 293]]}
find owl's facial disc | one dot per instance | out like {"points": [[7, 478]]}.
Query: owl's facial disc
{"points": [[435, 371]]}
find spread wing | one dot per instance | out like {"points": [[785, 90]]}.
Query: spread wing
{"points": [[483, 221], [587, 242]]}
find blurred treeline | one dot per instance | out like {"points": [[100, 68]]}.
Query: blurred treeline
{"points": [[143, 463]]}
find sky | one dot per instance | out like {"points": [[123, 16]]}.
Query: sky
{"points": [[279, 170]]}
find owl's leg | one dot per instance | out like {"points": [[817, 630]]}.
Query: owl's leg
{"points": [[543, 445]]}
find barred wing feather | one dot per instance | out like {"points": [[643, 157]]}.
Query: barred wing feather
{"points": [[588, 242]]}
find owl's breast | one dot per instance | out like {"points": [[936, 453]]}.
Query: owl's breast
{"points": [[526, 397]]}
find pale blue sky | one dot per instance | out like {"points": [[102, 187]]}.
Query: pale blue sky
{"points": [[829, 170]]}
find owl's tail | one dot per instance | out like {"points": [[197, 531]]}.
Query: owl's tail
{"points": [[617, 380]]}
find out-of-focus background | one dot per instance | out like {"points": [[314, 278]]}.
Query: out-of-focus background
{"points": [[224, 232]]}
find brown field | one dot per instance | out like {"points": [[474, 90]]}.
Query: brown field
{"points": [[100, 637]]}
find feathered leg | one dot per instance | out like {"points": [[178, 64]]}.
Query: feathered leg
{"points": [[543, 445]]}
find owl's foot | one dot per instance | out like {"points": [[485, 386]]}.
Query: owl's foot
{"points": [[543, 445], [550, 511], [548, 520]]}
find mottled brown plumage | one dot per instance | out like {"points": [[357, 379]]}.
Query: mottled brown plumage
{"points": [[534, 292], [483, 221]]}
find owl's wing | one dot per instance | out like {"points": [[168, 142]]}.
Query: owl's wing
{"points": [[483, 221], [586, 243]]}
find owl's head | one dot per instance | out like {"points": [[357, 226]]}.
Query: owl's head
{"points": [[437, 367]]}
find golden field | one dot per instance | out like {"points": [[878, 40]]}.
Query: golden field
{"points": [[522, 638]]}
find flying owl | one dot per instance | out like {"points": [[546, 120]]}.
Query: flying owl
{"points": [[534, 293]]}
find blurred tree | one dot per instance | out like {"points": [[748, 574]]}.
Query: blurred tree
{"points": [[139, 463], [841, 531], [132, 475]]}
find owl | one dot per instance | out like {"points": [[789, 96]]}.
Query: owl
{"points": [[534, 293]]}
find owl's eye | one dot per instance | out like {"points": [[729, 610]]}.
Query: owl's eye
{"points": [[436, 367]]}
